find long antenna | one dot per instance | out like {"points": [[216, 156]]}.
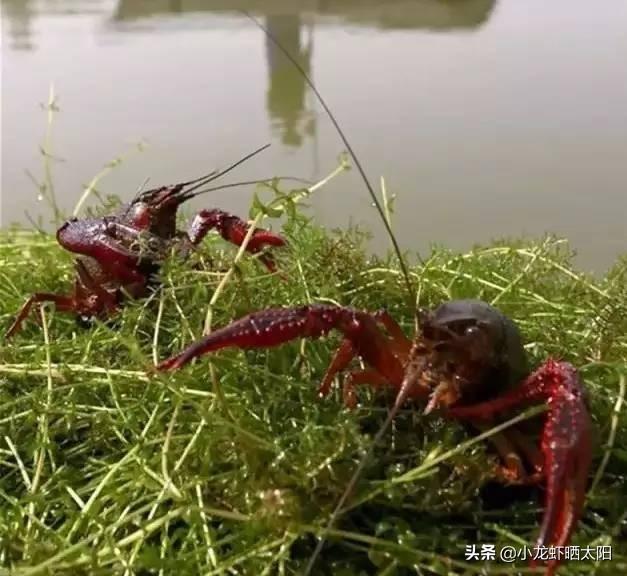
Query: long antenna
{"points": [[186, 194], [248, 183], [362, 172], [201, 179], [218, 174]]}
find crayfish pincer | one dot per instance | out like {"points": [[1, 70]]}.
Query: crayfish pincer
{"points": [[120, 255], [468, 362]]}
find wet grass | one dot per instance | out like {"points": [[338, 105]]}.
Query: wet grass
{"points": [[233, 465]]}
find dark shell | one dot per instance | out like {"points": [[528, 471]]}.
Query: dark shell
{"points": [[491, 362]]}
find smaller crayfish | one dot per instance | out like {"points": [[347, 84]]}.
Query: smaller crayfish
{"points": [[467, 361], [120, 255]]}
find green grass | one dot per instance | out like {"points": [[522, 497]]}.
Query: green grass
{"points": [[232, 465]]}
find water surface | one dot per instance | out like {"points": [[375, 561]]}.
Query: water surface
{"points": [[487, 118]]}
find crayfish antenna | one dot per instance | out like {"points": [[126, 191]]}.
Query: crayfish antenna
{"points": [[187, 194], [247, 183], [185, 190]]}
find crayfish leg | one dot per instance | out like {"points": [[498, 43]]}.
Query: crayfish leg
{"points": [[369, 376], [262, 238], [268, 262], [341, 359], [398, 339], [88, 286], [566, 444], [512, 470], [64, 303], [202, 223], [531, 452], [234, 230]]}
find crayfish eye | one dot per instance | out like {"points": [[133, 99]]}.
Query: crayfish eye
{"points": [[471, 331], [141, 215]]}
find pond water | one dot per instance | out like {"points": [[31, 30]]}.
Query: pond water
{"points": [[488, 118]]}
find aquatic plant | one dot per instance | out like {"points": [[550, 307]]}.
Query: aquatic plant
{"points": [[234, 465]]}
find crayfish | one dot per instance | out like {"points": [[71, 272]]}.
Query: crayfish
{"points": [[120, 255], [468, 361]]}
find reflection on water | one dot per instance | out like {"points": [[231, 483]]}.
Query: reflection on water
{"points": [[388, 14], [286, 92], [402, 14], [17, 15], [483, 125], [286, 96]]}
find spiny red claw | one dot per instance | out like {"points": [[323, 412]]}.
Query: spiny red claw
{"points": [[362, 331], [234, 230], [566, 445]]}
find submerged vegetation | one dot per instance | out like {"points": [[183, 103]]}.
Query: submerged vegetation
{"points": [[233, 465]]}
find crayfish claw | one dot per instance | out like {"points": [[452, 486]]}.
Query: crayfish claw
{"points": [[566, 445], [567, 450], [262, 329]]}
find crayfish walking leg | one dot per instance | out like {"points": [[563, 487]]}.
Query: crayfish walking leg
{"points": [[88, 299]]}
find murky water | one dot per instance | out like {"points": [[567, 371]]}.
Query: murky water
{"points": [[488, 118]]}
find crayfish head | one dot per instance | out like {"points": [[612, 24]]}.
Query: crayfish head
{"points": [[469, 351], [453, 353]]}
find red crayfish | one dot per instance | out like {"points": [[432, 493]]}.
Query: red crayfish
{"points": [[465, 352], [120, 255]]}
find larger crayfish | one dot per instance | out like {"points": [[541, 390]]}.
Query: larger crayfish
{"points": [[120, 255], [465, 353]]}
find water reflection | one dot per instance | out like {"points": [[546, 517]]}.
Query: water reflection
{"points": [[17, 16], [286, 99], [414, 14], [287, 90], [286, 87], [443, 15], [481, 130], [419, 14]]}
